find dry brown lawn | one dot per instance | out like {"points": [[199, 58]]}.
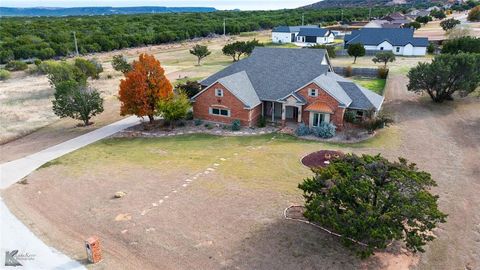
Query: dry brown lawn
{"points": [[25, 100], [229, 216]]}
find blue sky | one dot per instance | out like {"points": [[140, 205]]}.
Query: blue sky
{"points": [[219, 4]]}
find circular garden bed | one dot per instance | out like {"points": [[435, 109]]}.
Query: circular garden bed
{"points": [[320, 158]]}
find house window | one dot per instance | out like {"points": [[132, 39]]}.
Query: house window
{"points": [[398, 49], [381, 48], [220, 112], [312, 92], [219, 92], [359, 115], [319, 118]]}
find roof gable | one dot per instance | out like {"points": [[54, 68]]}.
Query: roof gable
{"points": [[292, 29], [275, 72], [240, 86], [361, 98], [316, 32], [395, 36]]}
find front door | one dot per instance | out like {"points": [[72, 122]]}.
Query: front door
{"points": [[295, 113]]}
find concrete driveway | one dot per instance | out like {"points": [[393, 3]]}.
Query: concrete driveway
{"points": [[14, 235]]}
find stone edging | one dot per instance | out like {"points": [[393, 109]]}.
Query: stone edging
{"points": [[318, 226]]}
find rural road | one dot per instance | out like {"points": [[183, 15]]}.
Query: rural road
{"points": [[14, 235]]}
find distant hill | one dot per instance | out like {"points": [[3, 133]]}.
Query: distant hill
{"points": [[90, 11], [369, 3]]}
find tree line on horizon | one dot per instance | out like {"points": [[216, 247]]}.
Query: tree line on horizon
{"points": [[52, 37]]}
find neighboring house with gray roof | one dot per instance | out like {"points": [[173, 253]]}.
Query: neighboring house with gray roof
{"points": [[282, 85], [307, 35], [400, 41]]}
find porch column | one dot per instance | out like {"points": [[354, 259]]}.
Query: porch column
{"points": [[284, 114], [273, 112], [299, 120]]}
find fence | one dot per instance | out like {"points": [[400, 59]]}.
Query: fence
{"points": [[363, 72]]}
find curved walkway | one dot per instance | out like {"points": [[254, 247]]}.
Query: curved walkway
{"points": [[14, 235]]}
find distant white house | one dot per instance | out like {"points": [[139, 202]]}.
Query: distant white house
{"points": [[307, 35], [399, 41]]}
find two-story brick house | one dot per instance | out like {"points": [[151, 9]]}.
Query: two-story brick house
{"points": [[295, 85]]}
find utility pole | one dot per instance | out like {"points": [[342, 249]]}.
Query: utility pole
{"points": [[75, 40], [303, 18], [370, 14], [342, 16], [224, 27]]}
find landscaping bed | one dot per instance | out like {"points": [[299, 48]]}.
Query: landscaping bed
{"points": [[159, 129], [320, 158]]}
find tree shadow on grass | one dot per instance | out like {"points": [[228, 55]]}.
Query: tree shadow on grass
{"points": [[289, 244], [421, 108]]}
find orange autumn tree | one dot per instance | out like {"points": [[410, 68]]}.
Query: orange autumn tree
{"points": [[143, 87]]}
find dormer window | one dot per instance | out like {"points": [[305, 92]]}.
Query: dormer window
{"points": [[219, 92], [312, 92]]}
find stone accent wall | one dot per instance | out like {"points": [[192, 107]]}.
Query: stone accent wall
{"points": [[207, 99]]}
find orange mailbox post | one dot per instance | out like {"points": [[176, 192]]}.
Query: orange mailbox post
{"points": [[94, 252]]}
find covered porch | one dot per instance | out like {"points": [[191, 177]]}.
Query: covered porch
{"points": [[281, 112]]}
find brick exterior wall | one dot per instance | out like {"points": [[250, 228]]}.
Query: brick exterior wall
{"points": [[336, 118], [207, 99]]}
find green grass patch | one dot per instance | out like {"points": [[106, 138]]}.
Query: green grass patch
{"points": [[375, 84], [280, 45], [248, 34], [263, 162], [50, 163]]}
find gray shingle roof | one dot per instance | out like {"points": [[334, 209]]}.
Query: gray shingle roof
{"points": [[330, 82], [239, 84], [276, 72], [292, 29], [313, 32], [361, 98], [375, 36]]}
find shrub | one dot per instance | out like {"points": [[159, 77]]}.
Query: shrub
{"points": [[16, 66], [374, 201], [236, 125], [208, 126], [462, 44], [325, 130], [431, 48], [198, 122], [378, 122], [350, 117], [91, 68], [329, 48], [348, 71], [474, 14], [262, 122], [120, 63], [6, 56], [382, 72], [37, 62], [189, 115], [109, 76], [4, 74], [191, 88], [302, 130], [173, 108]]}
